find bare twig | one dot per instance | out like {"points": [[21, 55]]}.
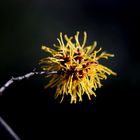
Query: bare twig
{"points": [[26, 76], [8, 129]]}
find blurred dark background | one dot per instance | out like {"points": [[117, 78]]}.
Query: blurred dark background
{"points": [[26, 25]]}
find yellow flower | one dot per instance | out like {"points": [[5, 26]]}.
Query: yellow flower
{"points": [[78, 67]]}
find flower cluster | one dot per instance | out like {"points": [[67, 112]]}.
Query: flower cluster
{"points": [[78, 67]]}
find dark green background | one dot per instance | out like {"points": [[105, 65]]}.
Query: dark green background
{"points": [[26, 25]]}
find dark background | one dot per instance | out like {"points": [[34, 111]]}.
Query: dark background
{"points": [[26, 25]]}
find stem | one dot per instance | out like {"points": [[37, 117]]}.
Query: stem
{"points": [[26, 76], [8, 129]]}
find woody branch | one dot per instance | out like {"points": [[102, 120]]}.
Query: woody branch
{"points": [[26, 76]]}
